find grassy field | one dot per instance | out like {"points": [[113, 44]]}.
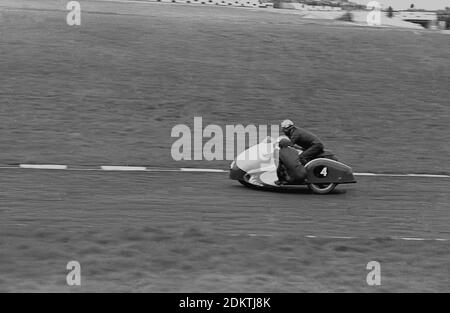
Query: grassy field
{"points": [[110, 91]]}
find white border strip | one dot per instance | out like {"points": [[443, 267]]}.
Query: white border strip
{"points": [[44, 166], [182, 169], [123, 168], [202, 170], [403, 175], [351, 238], [428, 175]]}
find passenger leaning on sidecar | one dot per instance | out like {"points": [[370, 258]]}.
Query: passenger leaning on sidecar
{"points": [[290, 170], [309, 142]]}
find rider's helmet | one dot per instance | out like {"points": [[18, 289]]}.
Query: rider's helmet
{"points": [[286, 125]]}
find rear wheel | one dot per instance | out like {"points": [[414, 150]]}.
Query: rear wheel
{"points": [[322, 189], [243, 182]]}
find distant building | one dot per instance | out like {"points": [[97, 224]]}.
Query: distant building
{"points": [[444, 18], [427, 19]]}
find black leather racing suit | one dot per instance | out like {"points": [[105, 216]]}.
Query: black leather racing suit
{"points": [[290, 169], [308, 141]]}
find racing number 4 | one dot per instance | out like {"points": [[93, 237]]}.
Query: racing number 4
{"points": [[324, 172]]}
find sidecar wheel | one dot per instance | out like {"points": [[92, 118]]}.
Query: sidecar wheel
{"points": [[246, 184], [322, 189]]}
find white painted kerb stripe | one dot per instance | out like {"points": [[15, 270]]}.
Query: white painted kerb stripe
{"points": [[349, 237], [428, 175], [123, 168], [412, 239], [402, 175], [204, 170], [44, 166]]}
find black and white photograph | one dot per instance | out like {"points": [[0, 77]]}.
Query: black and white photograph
{"points": [[243, 148]]}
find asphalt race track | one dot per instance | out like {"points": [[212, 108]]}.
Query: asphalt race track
{"points": [[151, 232], [183, 231]]}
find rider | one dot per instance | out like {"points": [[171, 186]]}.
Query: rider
{"points": [[310, 143], [290, 170]]}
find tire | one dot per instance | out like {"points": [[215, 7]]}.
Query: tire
{"points": [[246, 184], [322, 189]]}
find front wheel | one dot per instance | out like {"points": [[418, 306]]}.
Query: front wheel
{"points": [[322, 189]]}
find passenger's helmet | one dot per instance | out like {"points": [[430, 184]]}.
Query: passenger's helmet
{"points": [[283, 141], [280, 138]]}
